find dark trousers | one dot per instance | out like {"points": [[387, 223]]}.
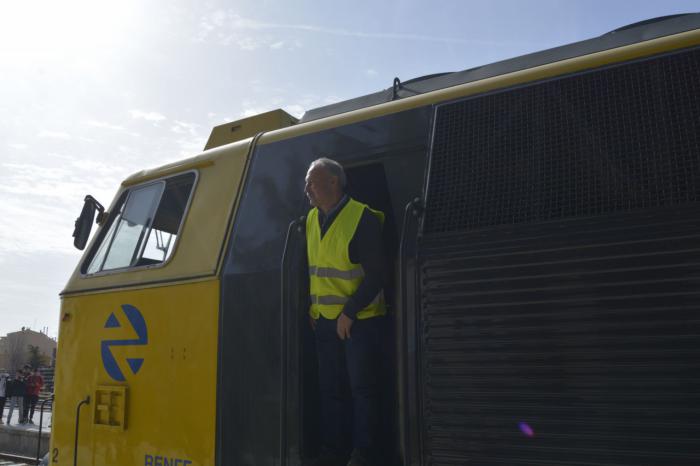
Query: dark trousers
{"points": [[25, 407], [32, 405], [2, 406], [348, 380]]}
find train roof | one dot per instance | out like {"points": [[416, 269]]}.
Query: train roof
{"points": [[631, 34]]}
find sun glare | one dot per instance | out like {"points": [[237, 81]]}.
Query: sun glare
{"points": [[54, 29]]}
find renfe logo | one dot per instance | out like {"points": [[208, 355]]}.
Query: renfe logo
{"points": [[165, 461], [139, 325]]}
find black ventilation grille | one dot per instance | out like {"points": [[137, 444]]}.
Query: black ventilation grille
{"points": [[611, 140], [568, 343]]}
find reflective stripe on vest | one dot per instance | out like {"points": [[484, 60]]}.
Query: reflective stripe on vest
{"points": [[331, 299], [335, 273], [332, 276]]}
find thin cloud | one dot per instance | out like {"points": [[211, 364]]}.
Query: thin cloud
{"points": [[287, 45], [35, 202], [227, 19], [190, 146], [180, 127], [54, 135], [109, 127], [249, 43], [18, 146], [148, 116], [28, 170], [38, 199], [104, 125], [94, 167], [26, 230]]}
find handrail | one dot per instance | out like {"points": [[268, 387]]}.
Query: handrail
{"points": [[294, 225], [41, 424], [86, 401], [413, 210]]}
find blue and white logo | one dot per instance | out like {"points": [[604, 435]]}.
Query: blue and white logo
{"points": [[138, 323]]}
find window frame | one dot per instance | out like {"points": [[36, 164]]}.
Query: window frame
{"points": [[104, 230]]}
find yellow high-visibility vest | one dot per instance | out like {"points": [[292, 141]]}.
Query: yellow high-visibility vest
{"points": [[333, 278]]}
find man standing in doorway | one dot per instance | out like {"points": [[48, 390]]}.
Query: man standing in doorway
{"points": [[346, 271]]}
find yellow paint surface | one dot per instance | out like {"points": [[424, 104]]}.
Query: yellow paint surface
{"points": [[171, 400]]}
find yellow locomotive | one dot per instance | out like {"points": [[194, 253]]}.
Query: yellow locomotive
{"points": [[542, 223]]}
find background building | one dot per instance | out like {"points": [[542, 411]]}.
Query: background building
{"points": [[26, 347]]}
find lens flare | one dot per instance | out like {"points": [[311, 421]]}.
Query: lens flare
{"points": [[526, 429]]}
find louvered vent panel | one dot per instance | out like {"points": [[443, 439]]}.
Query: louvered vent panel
{"points": [[586, 332], [560, 272]]}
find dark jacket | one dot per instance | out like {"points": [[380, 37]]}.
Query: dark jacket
{"points": [[16, 387]]}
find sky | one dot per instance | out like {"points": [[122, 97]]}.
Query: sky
{"points": [[93, 91]]}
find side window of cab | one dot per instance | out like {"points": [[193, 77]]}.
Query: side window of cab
{"points": [[143, 227]]}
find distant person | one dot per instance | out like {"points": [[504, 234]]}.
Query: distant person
{"points": [[35, 382], [3, 393], [15, 395], [26, 373]]}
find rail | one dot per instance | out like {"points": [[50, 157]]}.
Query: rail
{"points": [[86, 401], [17, 459], [409, 231], [41, 425], [296, 225]]}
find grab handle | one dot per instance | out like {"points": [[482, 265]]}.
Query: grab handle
{"points": [[86, 401]]}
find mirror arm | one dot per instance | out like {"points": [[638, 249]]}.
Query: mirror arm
{"points": [[83, 224], [101, 213]]}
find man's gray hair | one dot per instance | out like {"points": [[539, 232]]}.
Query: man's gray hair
{"points": [[333, 167]]}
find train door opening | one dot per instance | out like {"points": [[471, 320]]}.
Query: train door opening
{"points": [[367, 183]]}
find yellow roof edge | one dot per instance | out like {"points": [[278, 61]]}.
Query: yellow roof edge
{"points": [[139, 285], [204, 159], [549, 70]]}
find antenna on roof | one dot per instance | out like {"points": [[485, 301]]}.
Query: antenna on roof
{"points": [[397, 86]]}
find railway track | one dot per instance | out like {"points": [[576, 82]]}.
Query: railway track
{"points": [[8, 459]]}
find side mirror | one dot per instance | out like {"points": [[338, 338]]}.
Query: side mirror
{"points": [[83, 224]]}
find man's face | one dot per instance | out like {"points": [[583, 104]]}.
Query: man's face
{"points": [[321, 187]]}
